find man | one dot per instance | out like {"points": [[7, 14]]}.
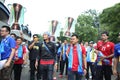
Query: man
{"points": [[34, 51], [63, 58], [116, 64], [76, 60], [91, 58], [47, 57], [7, 50], [20, 58], [107, 48]]}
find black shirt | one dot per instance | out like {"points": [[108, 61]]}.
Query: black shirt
{"points": [[34, 51]]}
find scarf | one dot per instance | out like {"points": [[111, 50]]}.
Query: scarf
{"points": [[65, 47], [70, 59], [99, 62], [20, 51]]}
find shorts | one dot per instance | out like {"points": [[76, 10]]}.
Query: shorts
{"points": [[5, 73]]}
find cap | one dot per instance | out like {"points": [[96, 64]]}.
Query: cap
{"points": [[47, 33], [91, 42]]}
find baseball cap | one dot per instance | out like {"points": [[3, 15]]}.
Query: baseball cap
{"points": [[91, 42], [47, 33]]}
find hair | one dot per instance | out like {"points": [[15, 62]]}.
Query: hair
{"points": [[7, 28], [35, 35], [105, 32], [19, 38], [75, 35], [13, 34]]}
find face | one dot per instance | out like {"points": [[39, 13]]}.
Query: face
{"points": [[91, 45], [4, 32], [35, 38], [65, 41], [13, 36], [104, 37], [45, 36], [18, 41], [74, 40]]}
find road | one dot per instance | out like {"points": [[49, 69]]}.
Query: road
{"points": [[26, 75]]}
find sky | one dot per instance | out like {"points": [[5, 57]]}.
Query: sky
{"points": [[39, 13]]}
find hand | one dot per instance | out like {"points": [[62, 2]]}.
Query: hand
{"points": [[36, 64], [7, 64], [115, 72], [85, 72], [102, 57], [55, 66], [16, 58], [25, 62]]}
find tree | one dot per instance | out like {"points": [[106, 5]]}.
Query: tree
{"points": [[85, 26], [110, 21]]}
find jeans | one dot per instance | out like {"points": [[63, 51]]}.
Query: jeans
{"points": [[47, 71], [17, 71], [90, 66], [63, 63], [5, 73], [74, 75], [32, 69], [104, 70]]}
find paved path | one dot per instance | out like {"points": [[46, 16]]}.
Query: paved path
{"points": [[26, 75]]}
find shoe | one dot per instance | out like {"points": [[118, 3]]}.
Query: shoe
{"points": [[54, 78], [60, 76]]}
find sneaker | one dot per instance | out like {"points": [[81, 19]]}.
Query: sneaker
{"points": [[54, 78]]}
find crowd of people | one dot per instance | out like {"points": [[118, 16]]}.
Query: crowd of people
{"points": [[93, 61]]}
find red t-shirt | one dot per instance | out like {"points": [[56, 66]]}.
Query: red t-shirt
{"points": [[107, 48], [20, 61], [75, 57]]}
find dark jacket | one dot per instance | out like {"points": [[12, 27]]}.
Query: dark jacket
{"points": [[45, 54]]}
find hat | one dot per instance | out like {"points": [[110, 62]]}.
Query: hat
{"points": [[91, 42], [47, 33]]}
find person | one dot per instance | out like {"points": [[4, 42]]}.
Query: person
{"points": [[47, 57], [20, 58], [63, 58], [33, 47], [77, 64], [107, 48], [91, 58], [7, 51], [13, 35], [116, 64]]}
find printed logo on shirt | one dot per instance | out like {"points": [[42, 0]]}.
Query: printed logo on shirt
{"points": [[35, 47]]}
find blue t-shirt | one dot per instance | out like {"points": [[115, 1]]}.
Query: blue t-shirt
{"points": [[6, 47], [117, 50]]}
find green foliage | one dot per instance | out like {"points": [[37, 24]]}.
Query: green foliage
{"points": [[110, 21], [40, 37], [85, 27], [62, 37]]}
